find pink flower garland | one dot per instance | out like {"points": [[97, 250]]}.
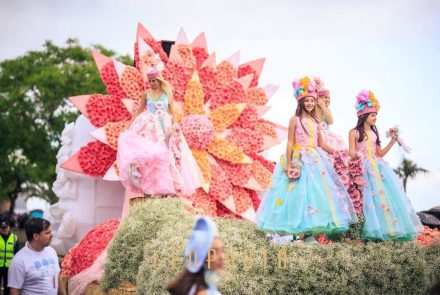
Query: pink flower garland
{"points": [[102, 109], [84, 253], [350, 173], [96, 158]]}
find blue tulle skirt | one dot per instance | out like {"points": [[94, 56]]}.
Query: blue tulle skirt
{"points": [[388, 212], [317, 202]]}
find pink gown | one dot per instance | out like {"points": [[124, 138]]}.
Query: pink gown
{"points": [[153, 156]]}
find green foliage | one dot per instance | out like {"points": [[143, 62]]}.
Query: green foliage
{"points": [[407, 170], [147, 251], [34, 109]]}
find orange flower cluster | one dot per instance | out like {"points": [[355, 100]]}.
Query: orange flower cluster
{"points": [[242, 199], [261, 174], [222, 149], [189, 61], [223, 116], [132, 83], [111, 80], [175, 74], [266, 128], [209, 82], [247, 70], [256, 96], [225, 72], [220, 187], [204, 202], [201, 158], [201, 55], [112, 131], [429, 236], [194, 99], [105, 108], [249, 140]]}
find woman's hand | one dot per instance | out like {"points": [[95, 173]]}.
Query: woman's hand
{"points": [[353, 155], [321, 103]]}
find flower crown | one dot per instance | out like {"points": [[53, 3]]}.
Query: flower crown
{"points": [[152, 65], [304, 87], [366, 102]]}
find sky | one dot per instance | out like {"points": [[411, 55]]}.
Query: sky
{"points": [[391, 47]]}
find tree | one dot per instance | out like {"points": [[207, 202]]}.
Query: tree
{"points": [[407, 170], [34, 109]]}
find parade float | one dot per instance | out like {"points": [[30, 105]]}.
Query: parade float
{"points": [[220, 108]]}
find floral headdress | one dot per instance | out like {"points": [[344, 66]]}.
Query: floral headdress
{"points": [[318, 83], [366, 103], [304, 87], [151, 64]]}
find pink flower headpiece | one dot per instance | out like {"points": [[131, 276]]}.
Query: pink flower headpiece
{"points": [[304, 87], [366, 103]]}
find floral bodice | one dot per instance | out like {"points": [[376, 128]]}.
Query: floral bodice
{"points": [[368, 146], [157, 105], [301, 137]]}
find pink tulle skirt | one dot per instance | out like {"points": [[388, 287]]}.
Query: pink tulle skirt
{"points": [[154, 158]]}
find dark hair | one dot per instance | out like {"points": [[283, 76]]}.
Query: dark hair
{"points": [[186, 280], [35, 226], [301, 109], [360, 127]]}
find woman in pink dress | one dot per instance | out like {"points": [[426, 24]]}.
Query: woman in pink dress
{"points": [[153, 156]]}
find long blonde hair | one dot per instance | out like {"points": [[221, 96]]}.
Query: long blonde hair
{"points": [[166, 87]]}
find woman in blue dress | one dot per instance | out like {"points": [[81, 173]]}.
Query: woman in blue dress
{"points": [[306, 195]]}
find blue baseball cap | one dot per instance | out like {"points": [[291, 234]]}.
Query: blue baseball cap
{"points": [[199, 243]]}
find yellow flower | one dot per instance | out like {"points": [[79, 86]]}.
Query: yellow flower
{"points": [[279, 202]]}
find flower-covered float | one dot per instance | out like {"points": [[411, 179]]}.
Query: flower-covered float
{"points": [[219, 108]]}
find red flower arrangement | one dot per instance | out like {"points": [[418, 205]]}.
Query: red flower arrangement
{"points": [[176, 75], [84, 253], [256, 96], [246, 70], [111, 80], [96, 158], [248, 139], [201, 55], [102, 109]]}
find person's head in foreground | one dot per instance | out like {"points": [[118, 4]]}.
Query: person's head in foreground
{"points": [[204, 256]]}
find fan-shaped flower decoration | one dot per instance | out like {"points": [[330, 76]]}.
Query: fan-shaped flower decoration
{"points": [[219, 109]]}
